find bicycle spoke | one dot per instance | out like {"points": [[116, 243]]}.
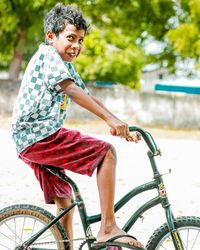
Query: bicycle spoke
{"points": [[195, 239], [6, 236], [168, 239], [18, 229], [187, 242], [34, 223], [5, 246], [163, 247], [14, 233], [190, 238], [45, 237], [183, 243], [22, 231]]}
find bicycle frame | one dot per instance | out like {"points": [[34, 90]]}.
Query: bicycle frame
{"points": [[157, 184]]}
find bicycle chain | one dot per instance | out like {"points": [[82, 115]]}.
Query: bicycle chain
{"points": [[52, 242], [84, 241]]}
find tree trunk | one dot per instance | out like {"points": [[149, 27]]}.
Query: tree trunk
{"points": [[15, 66]]}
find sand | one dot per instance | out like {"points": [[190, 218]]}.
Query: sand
{"points": [[180, 153]]}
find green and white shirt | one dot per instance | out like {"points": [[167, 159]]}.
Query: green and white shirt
{"points": [[40, 107]]}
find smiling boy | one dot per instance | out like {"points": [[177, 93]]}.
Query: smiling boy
{"points": [[38, 117]]}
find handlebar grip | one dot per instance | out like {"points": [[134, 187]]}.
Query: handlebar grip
{"points": [[147, 137]]}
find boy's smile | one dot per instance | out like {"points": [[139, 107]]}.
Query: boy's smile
{"points": [[68, 43]]}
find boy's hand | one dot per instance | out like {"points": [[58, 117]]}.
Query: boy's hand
{"points": [[134, 137], [131, 137], [118, 127]]}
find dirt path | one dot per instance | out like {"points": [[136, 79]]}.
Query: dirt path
{"points": [[180, 153], [99, 127]]}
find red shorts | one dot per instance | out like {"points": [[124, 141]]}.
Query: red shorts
{"points": [[66, 149]]}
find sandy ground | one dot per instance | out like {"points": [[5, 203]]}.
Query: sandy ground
{"points": [[180, 153]]}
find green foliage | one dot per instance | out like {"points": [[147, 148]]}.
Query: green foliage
{"points": [[21, 16], [7, 27], [101, 61], [126, 26], [120, 30], [185, 38]]}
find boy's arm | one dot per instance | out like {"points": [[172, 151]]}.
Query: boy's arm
{"points": [[118, 127], [133, 137], [102, 105]]}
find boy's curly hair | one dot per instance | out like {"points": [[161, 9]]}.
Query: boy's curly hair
{"points": [[57, 18]]}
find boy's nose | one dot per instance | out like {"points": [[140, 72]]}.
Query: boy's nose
{"points": [[76, 45]]}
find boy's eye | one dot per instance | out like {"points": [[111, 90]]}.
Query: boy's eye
{"points": [[70, 38], [73, 39]]}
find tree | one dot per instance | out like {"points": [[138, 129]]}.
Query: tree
{"points": [[115, 47], [111, 63], [185, 37], [20, 28], [126, 27]]}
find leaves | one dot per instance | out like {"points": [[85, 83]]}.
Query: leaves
{"points": [[120, 31], [102, 61], [185, 38]]}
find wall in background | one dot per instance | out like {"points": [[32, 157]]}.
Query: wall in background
{"points": [[174, 110]]}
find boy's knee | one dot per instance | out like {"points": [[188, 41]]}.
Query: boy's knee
{"points": [[112, 153]]}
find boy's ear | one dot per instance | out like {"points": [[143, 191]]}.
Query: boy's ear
{"points": [[50, 35]]}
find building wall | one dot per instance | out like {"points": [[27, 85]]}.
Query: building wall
{"points": [[148, 108]]}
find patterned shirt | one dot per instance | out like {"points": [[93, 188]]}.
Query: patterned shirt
{"points": [[40, 107]]}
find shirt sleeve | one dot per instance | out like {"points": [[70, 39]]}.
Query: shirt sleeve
{"points": [[77, 79], [55, 71]]}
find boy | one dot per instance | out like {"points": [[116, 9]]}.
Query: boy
{"points": [[39, 113]]}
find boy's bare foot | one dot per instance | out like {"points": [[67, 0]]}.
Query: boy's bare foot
{"points": [[105, 235]]}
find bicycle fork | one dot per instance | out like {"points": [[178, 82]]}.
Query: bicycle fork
{"points": [[173, 231]]}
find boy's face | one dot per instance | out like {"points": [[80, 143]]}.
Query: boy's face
{"points": [[68, 43]]}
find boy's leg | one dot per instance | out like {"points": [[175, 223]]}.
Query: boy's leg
{"points": [[67, 220], [106, 187]]}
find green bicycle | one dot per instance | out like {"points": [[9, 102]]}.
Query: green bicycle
{"points": [[28, 227]]}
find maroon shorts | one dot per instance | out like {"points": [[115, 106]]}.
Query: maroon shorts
{"points": [[68, 150]]}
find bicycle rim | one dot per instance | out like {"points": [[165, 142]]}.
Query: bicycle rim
{"points": [[18, 225], [190, 237]]}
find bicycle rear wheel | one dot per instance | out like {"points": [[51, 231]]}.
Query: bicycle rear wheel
{"points": [[189, 231], [19, 222]]}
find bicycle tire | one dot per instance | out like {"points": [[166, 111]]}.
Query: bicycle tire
{"points": [[188, 228], [19, 222]]}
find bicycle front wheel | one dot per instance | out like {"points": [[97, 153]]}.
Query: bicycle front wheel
{"points": [[19, 222], [189, 230]]}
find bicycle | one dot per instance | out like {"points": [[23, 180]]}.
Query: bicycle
{"points": [[25, 226]]}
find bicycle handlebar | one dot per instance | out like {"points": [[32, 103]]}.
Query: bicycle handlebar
{"points": [[148, 139]]}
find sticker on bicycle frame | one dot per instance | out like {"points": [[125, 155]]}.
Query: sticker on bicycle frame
{"points": [[162, 190], [89, 233]]}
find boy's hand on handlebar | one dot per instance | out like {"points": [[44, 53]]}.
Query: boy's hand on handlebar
{"points": [[118, 128], [133, 137]]}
